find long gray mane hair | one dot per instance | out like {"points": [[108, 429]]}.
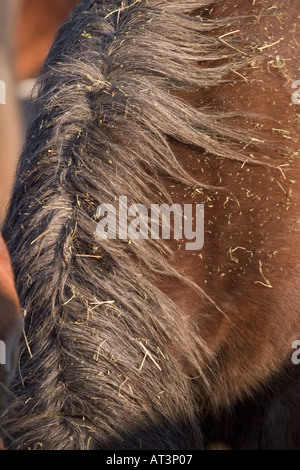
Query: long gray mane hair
{"points": [[108, 361]]}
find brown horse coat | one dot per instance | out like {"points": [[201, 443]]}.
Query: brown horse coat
{"points": [[133, 346]]}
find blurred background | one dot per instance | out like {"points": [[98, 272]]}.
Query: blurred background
{"points": [[27, 30]]}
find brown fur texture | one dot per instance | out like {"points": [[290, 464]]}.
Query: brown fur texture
{"points": [[142, 344]]}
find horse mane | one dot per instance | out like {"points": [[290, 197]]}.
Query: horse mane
{"points": [[108, 360]]}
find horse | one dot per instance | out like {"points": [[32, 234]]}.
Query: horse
{"points": [[15, 57], [139, 343]]}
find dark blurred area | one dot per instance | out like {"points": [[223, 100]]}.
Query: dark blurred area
{"points": [[27, 30]]}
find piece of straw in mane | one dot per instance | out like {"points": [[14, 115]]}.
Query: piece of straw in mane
{"points": [[106, 114]]}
